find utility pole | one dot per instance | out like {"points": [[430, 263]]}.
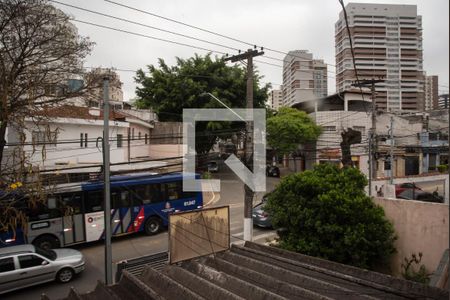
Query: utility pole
{"points": [[106, 180], [248, 159], [391, 159], [373, 140]]}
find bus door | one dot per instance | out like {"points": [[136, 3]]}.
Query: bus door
{"points": [[73, 221], [94, 217], [122, 212]]}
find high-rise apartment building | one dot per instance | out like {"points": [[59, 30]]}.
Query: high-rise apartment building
{"points": [[304, 78], [275, 97], [387, 41], [431, 92], [443, 101]]}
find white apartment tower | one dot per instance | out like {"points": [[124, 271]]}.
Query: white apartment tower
{"points": [[275, 97], [304, 78], [387, 41]]}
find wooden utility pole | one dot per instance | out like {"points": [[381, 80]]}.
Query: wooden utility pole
{"points": [[391, 154], [248, 158], [373, 140]]}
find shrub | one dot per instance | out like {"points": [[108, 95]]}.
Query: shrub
{"points": [[442, 168], [325, 213]]}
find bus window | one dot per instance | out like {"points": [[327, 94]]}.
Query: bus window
{"points": [[120, 198], [94, 201], [146, 194], [173, 190], [70, 203]]}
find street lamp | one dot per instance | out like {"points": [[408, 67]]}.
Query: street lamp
{"points": [[218, 100]]}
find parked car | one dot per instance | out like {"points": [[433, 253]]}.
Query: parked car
{"points": [[272, 171], [413, 194], [399, 188], [213, 166], [26, 265], [260, 217]]}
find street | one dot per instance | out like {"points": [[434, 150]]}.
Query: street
{"points": [[126, 247]]}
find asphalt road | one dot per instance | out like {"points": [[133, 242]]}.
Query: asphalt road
{"points": [[232, 193]]}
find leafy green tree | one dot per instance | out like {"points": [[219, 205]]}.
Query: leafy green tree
{"points": [[326, 213], [289, 128], [167, 90]]}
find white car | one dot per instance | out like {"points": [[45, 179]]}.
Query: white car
{"points": [[26, 265]]}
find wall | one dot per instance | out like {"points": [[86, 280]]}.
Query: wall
{"points": [[420, 227], [426, 182], [139, 146], [74, 153], [166, 150]]}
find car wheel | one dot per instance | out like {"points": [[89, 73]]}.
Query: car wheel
{"points": [[46, 242], [65, 275], [152, 226]]}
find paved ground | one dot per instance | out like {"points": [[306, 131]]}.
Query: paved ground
{"points": [[232, 192]]}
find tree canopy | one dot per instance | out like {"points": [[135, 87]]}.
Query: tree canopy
{"points": [[40, 50], [327, 214], [289, 128], [167, 90]]}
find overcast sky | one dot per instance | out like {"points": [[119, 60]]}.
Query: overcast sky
{"points": [[280, 25]]}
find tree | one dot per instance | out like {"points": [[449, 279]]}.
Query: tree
{"points": [[327, 214], [289, 128], [39, 51], [167, 90]]}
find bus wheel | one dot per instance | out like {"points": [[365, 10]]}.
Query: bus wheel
{"points": [[152, 226], [46, 242]]}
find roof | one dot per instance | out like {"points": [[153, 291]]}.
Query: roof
{"points": [[135, 179], [80, 112], [16, 249], [255, 271]]}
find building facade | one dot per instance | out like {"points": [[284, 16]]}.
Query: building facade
{"points": [[387, 41], [443, 101], [431, 92], [275, 98], [304, 78]]}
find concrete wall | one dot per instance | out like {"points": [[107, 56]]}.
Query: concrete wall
{"points": [[428, 183], [165, 150], [74, 153], [420, 227]]}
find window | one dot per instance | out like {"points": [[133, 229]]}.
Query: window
{"points": [[172, 190], [139, 135], [29, 261], [132, 133], [146, 139], [94, 201], [329, 128], [119, 141], [146, 194], [120, 198], [83, 140], [69, 203], [6, 264], [42, 137]]}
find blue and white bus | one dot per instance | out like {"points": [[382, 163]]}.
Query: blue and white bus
{"points": [[74, 214]]}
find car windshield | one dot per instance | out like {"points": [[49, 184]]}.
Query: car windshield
{"points": [[50, 254]]}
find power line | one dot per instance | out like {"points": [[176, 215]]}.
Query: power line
{"points": [[206, 30]]}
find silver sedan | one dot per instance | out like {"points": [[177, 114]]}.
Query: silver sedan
{"points": [[26, 265]]}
